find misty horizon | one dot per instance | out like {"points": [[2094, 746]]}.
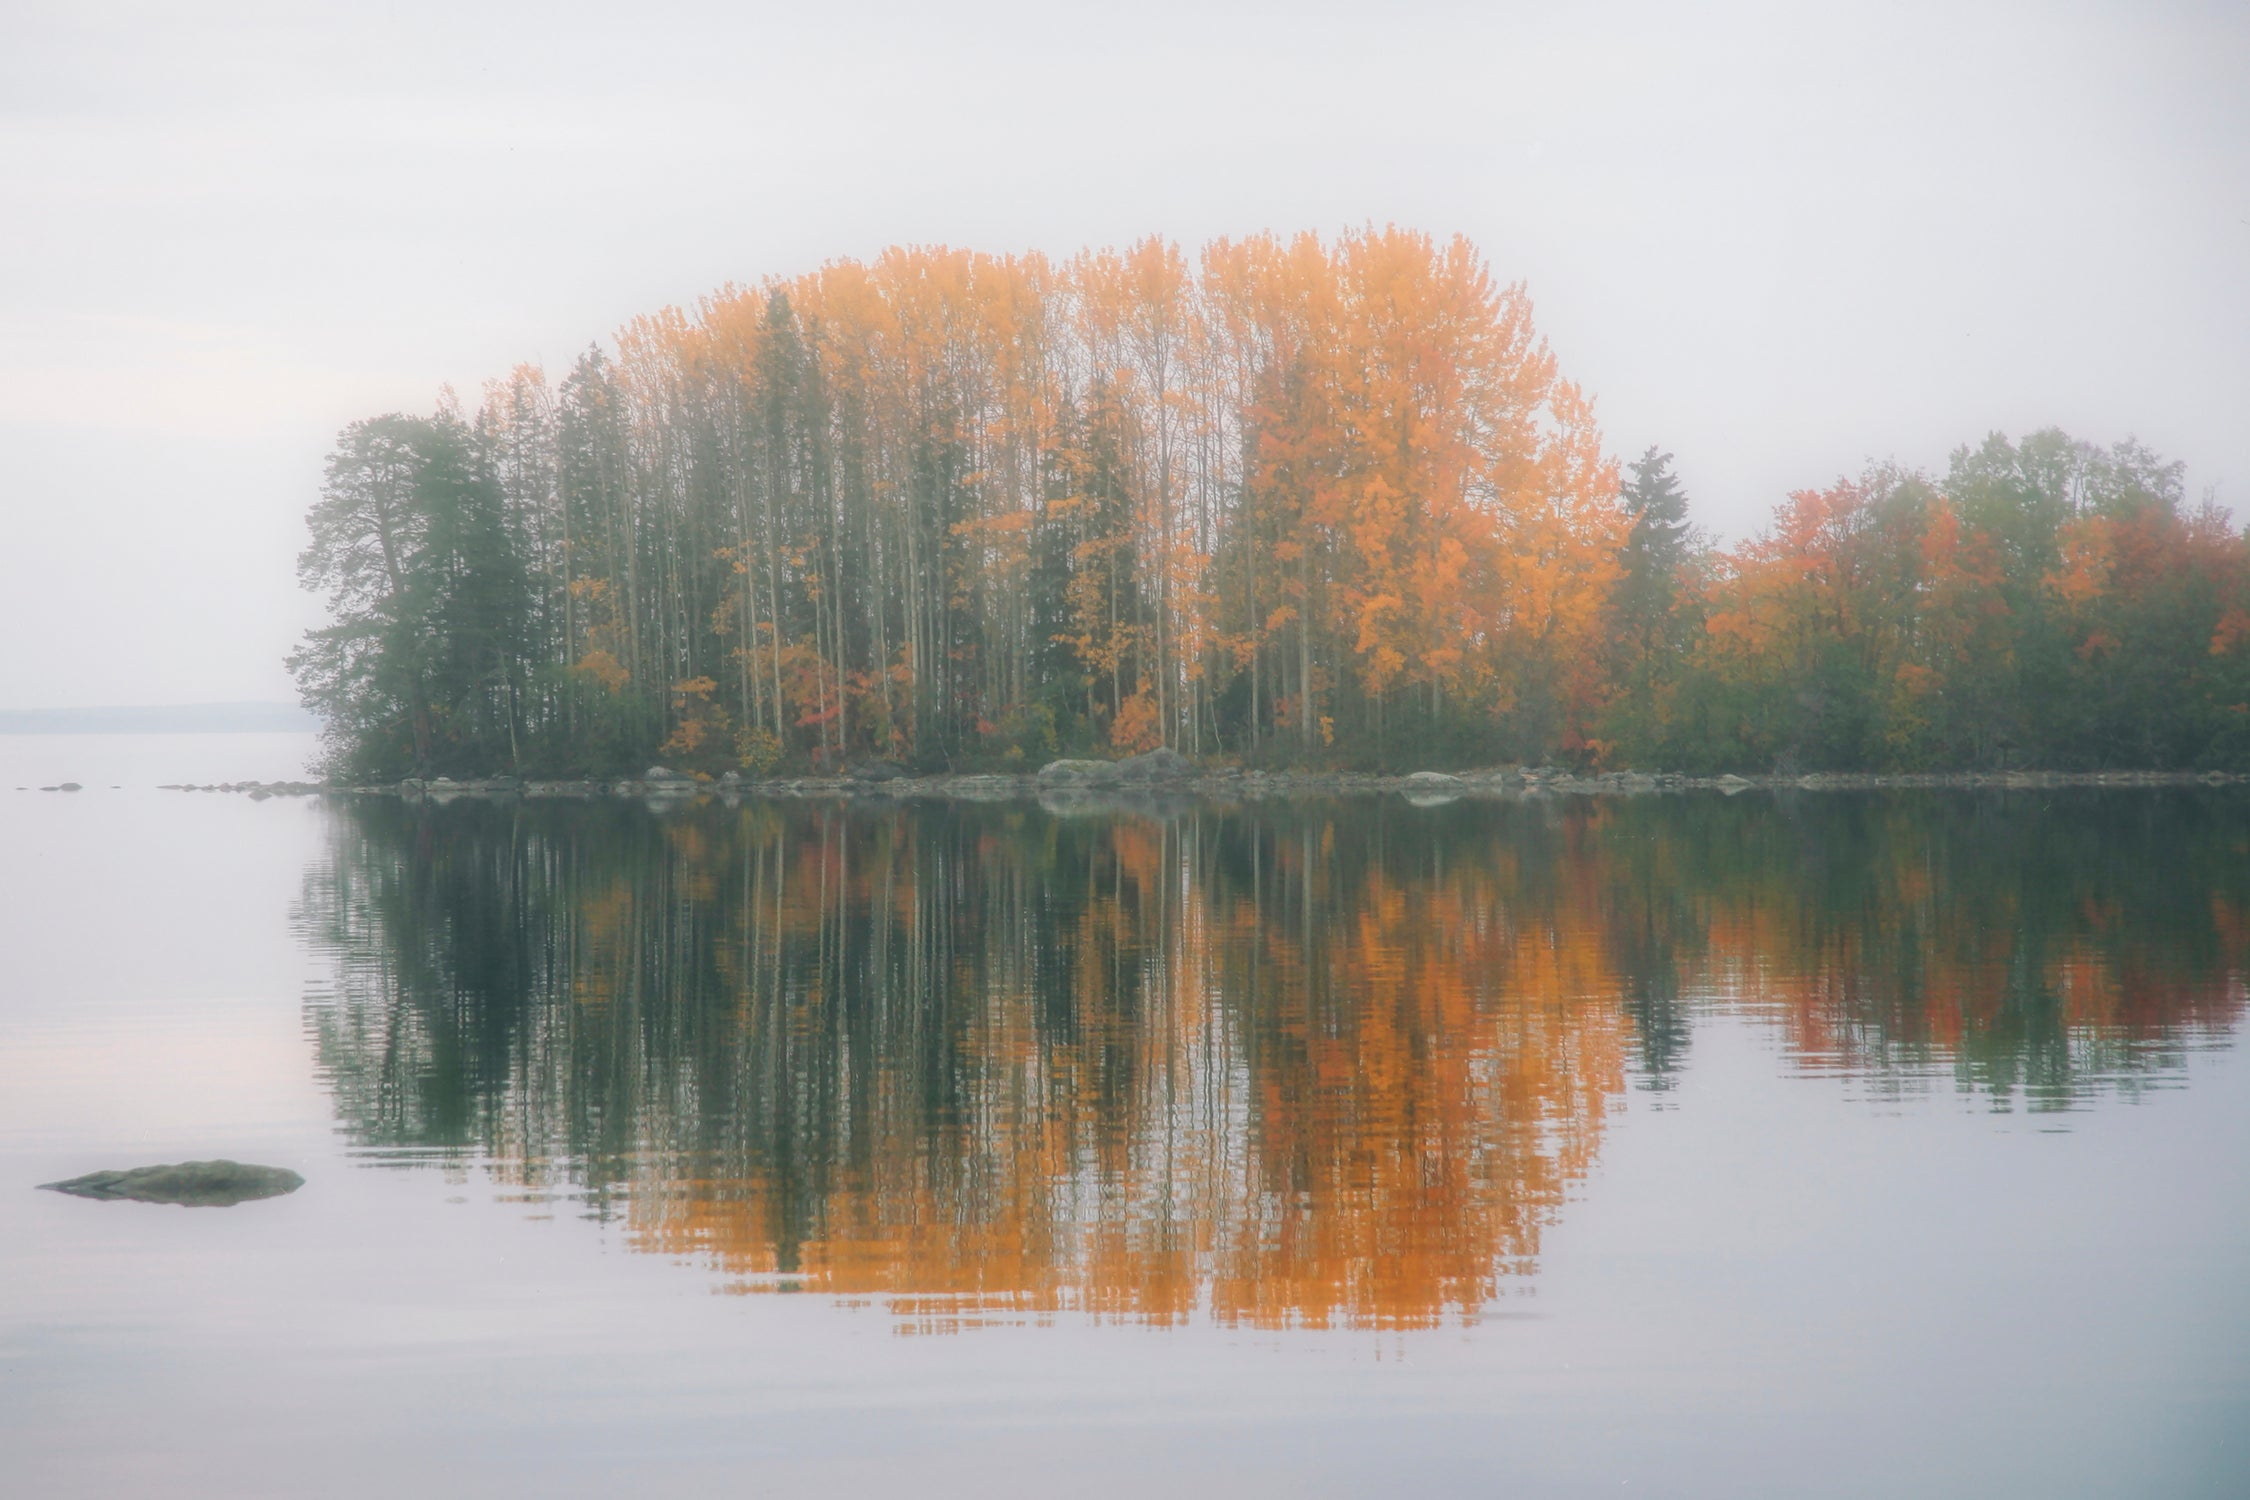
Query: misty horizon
{"points": [[244, 717]]}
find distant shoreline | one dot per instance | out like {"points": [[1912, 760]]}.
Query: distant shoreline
{"points": [[162, 718]]}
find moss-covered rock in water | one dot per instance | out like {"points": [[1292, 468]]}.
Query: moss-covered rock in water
{"points": [[192, 1184]]}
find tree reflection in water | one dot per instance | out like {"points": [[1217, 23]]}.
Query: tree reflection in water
{"points": [[1299, 1064]]}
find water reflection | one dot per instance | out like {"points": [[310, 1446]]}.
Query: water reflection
{"points": [[1295, 1065]]}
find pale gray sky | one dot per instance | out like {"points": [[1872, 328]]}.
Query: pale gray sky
{"points": [[1776, 239]]}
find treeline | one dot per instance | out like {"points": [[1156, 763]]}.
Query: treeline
{"points": [[1292, 501]]}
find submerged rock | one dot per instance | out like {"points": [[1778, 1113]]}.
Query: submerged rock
{"points": [[1432, 788], [1117, 799], [192, 1184]]}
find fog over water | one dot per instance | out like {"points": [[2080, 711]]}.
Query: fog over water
{"points": [[1776, 244]]}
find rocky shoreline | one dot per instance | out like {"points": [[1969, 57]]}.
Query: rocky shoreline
{"points": [[1172, 775]]}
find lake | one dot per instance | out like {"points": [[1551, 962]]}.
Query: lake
{"points": [[1767, 1145]]}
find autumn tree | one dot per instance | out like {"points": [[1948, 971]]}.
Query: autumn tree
{"points": [[2049, 604]]}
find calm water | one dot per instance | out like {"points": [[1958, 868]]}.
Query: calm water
{"points": [[1843, 1145]]}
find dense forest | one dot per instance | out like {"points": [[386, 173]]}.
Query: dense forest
{"points": [[1293, 501]]}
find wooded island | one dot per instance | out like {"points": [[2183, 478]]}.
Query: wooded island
{"points": [[1293, 502]]}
